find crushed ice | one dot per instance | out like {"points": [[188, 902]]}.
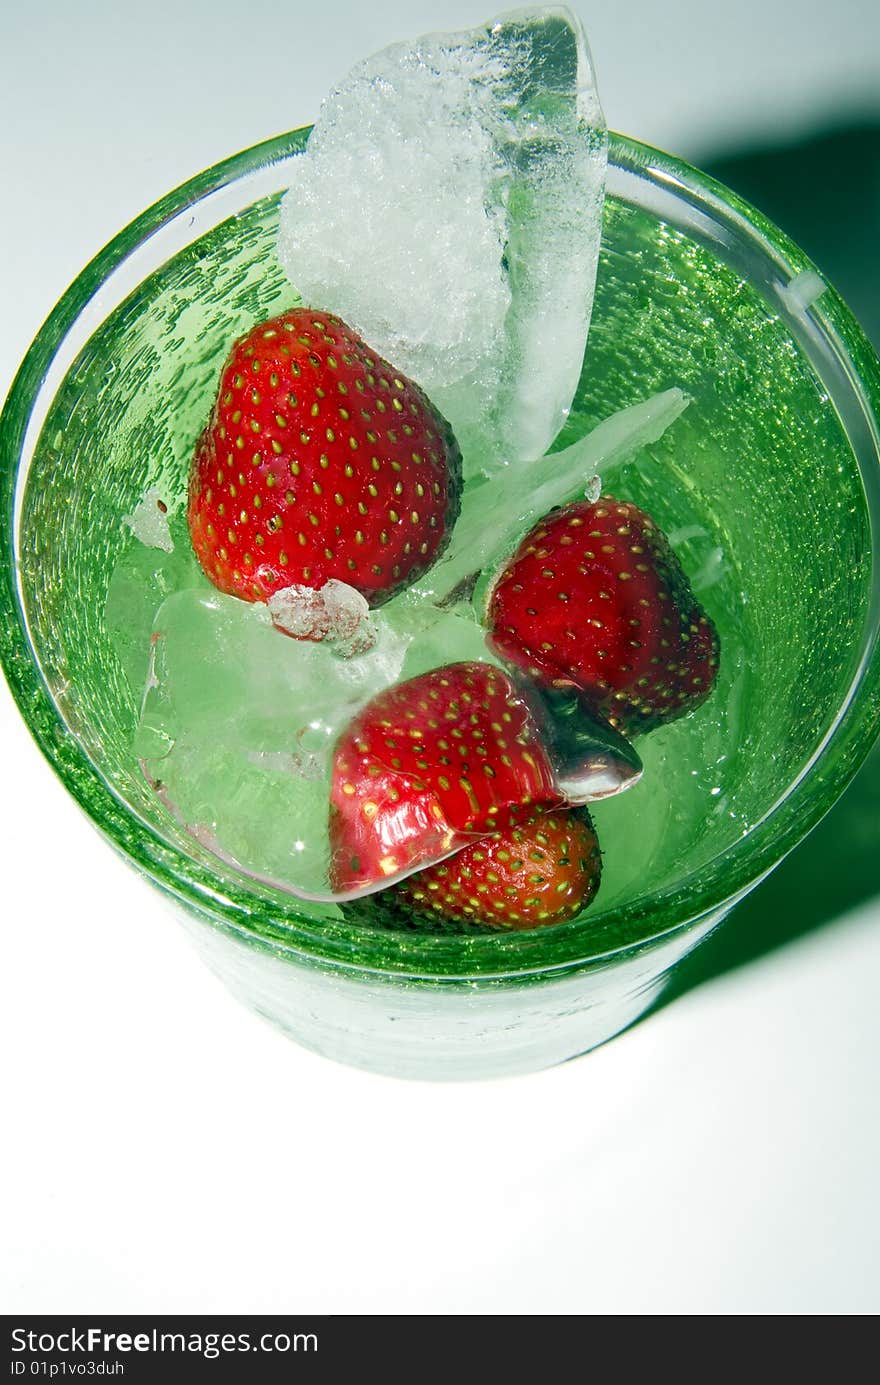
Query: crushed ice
{"points": [[335, 613]]}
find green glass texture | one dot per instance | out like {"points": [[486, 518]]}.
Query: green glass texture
{"points": [[759, 482]]}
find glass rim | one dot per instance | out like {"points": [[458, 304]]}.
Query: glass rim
{"points": [[234, 902]]}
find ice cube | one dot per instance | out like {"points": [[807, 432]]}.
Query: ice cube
{"points": [[700, 555], [713, 569], [148, 522], [802, 291], [269, 821], [434, 637], [141, 581], [448, 206], [238, 726]]}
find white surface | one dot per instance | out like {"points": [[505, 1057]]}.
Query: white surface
{"points": [[166, 1151]]}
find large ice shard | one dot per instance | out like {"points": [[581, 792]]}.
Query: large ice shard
{"points": [[449, 206]]}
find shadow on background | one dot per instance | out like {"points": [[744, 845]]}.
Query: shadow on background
{"points": [[825, 193]]}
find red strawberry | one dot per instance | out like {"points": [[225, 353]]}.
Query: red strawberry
{"points": [[320, 460], [545, 870], [595, 596], [428, 765]]}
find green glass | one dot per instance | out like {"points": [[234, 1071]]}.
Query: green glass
{"points": [[769, 483]]}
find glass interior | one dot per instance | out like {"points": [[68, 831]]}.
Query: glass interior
{"points": [[758, 485]]}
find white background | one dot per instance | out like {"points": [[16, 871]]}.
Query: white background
{"points": [[165, 1150]]}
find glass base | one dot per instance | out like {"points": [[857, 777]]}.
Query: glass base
{"points": [[453, 1031]]}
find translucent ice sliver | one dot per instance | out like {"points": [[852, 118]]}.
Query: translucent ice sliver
{"points": [[448, 206], [498, 511]]}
